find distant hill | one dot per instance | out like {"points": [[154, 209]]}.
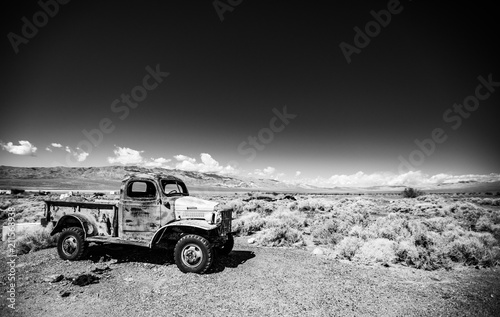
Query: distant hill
{"points": [[109, 178]]}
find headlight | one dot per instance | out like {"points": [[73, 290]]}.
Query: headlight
{"points": [[218, 217], [213, 217], [209, 217]]}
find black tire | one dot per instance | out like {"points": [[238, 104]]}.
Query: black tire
{"points": [[227, 247], [71, 244], [193, 254]]}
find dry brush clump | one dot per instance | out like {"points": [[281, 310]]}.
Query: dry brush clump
{"points": [[281, 228], [432, 243], [410, 192], [35, 241], [280, 237], [429, 232]]}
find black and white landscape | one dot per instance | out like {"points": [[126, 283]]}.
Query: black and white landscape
{"points": [[309, 119]]}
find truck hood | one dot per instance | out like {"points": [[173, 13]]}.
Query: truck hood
{"points": [[193, 203]]}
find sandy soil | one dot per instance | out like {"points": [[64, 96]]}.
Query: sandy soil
{"points": [[251, 281]]}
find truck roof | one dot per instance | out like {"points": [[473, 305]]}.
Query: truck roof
{"points": [[152, 176]]}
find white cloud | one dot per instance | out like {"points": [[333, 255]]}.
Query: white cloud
{"points": [[207, 164], [266, 172], [24, 148], [159, 162], [126, 156], [182, 158], [297, 173], [56, 145], [269, 170], [412, 178], [79, 154], [48, 149]]}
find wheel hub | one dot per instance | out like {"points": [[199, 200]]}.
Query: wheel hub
{"points": [[69, 245], [192, 255]]}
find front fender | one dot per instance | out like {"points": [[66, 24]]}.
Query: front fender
{"points": [[76, 220], [199, 225]]}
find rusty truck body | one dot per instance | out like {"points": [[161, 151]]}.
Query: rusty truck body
{"points": [[154, 211]]}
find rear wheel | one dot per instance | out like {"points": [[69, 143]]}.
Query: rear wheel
{"points": [[193, 254], [227, 247], [71, 244]]}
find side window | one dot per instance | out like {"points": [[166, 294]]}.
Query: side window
{"points": [[141, 189]]}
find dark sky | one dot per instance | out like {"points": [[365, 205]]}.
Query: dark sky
{"points": [[228, 79]]}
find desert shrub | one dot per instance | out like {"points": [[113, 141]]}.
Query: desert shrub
{"points": [[4, 204], [286, 218], [348, 247], [440, 224], [359, 231], [259, 206], [377, 250], [486, 202], [314, 204], [35, 241], [279, 237], [406, 252], [248, 223], [237, 205], [3, 214], [304, 205], [468, 214], [330, 232], [430, 198], [433, 254], [495, 216], [474, 248], [392, 227], [293, 205], [352, 216], [410, 192], [486, 223]]}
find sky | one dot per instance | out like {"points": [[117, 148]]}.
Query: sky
{"points": [[350, 93]]}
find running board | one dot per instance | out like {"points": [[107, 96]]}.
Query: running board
{"points": [[115, 240]]}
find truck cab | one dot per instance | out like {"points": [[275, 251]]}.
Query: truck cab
{"points": [[154, 211]]}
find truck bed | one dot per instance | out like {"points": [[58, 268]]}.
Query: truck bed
{"points": [[105, 220], [78, 204]]}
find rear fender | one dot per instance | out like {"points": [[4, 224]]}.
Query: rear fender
{"points": [[76, 220]]}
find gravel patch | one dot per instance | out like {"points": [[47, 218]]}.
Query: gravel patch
{"points": [[251, 281]]}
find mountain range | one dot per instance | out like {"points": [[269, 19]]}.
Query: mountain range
{"points": [[109, 178]]}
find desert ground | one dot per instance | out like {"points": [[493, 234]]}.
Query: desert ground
{"points": [[295, 254]]}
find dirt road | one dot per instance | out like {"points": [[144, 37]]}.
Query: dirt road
{"points": [[251, 281]]}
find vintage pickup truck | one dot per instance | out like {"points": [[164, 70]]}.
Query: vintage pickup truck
{"points": [[154, 211]]}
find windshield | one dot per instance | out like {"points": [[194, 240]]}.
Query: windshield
{"points": [[173, 187]]}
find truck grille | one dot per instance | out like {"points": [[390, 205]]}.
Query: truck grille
{"points": [[193, 214], [227, 216]]}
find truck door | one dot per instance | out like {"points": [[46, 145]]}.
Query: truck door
{"points": [[140, 210]]}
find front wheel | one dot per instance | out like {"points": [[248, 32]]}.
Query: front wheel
{"points": [[71, 244], [193, 254], [227, 247]]}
